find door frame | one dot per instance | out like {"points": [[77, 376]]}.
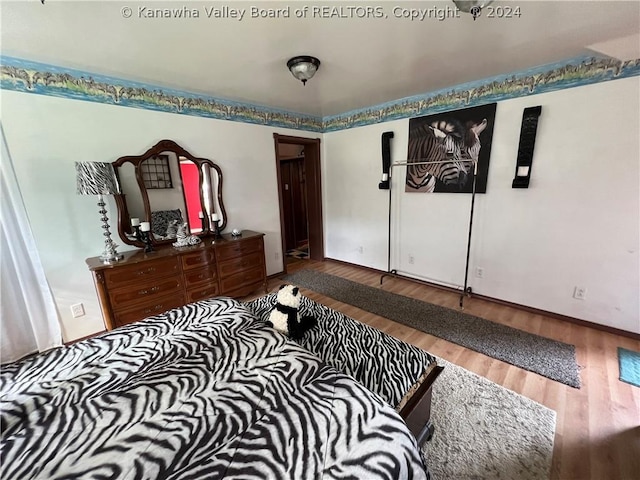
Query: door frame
{"points": [[313, 180]]}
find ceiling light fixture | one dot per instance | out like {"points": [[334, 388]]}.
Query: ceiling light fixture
{"points": [[303, 67], [474, 7]]}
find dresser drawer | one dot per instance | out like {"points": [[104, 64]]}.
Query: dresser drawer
{"points": [[199, 276], [144, 292], [238, 248], [139, 272], [198, 259], [202, 292], [248, 277], [239, 264], [159, 305]]}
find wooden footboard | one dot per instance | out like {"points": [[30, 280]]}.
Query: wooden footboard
{"points": [[417, 412]]}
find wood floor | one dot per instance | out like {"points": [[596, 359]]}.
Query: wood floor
{"points": [[598, 425]]}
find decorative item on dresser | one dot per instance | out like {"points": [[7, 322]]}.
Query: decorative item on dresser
{"points": [[215, 221], [99, 178], [142, 285], [144, 233]]}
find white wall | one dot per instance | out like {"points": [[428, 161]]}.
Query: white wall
{"points": [[576, 225], [46, 135]]}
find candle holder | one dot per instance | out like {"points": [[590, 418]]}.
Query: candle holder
{"points": [[216, 229], [146, 239], [144, 232], [215, 224], [136, 232]]}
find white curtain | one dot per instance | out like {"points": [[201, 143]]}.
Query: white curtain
{"points": [[28, 317]]}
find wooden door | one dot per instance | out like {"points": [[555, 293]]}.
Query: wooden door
{"points": [[294, 202], [314, 200], [287, 206]]}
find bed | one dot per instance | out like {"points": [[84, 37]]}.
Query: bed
{"points": [[203, 391], [400, 373]]}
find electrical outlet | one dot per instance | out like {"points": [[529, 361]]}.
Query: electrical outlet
{"points": [[412, 260], [360, 249], [580, 293], [77, 310], [479, 272]]}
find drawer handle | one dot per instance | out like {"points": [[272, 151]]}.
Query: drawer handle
{"points": [[153, 309], [144, 292], [148, 270], [201, 276]]}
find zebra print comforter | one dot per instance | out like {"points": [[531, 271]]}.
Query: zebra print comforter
{"points": [[203, 391], [385, 365]]}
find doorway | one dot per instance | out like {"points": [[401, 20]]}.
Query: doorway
{"points": [[300, 197], [294, 203]]}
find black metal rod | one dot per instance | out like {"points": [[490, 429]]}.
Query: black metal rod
{"points": [[389, 230], [388, 234], [473, 201], [386, 184], [434, 162]]}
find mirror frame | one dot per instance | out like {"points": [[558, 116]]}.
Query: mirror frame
{"points": [[158, 149]]}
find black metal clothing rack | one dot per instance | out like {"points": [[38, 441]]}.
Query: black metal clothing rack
{"points": [[466, 290]]}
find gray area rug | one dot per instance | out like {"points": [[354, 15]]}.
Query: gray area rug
{"points": [[484, 431], [549, 358]]}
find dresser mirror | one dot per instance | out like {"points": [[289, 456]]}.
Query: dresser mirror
{"points": [[167, 186]]}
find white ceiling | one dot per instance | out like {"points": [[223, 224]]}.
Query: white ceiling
{"points": [[364, 61]]}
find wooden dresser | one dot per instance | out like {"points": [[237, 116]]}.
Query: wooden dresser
{"points": [[145, 284]]}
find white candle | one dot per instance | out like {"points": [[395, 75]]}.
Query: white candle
{"points": [[200, 215], [385, 177], [145, 226], [215, 217], [135, 222]]}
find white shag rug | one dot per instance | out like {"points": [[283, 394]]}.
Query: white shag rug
{"points": [[484, 431]]}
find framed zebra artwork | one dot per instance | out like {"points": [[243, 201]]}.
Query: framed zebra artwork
{"points": [[454, 141]]}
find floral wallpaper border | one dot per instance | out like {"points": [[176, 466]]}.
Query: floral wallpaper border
{"points": [[31, 77]]}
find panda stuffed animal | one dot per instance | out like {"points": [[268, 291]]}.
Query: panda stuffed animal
{"points": [[285, 316]]}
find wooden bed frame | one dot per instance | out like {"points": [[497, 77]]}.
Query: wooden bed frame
{"points": [[417, 411]]}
